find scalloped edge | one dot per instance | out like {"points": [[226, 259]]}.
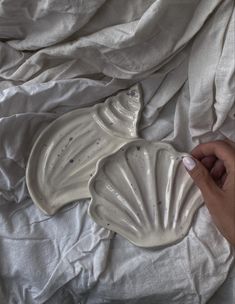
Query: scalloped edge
{"points": [[100, 164]]}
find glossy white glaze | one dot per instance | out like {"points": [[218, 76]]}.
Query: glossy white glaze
{"points": [[64, 156], [144, 193]]}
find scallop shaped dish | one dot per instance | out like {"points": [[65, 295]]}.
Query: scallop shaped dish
{"points": [[144, 193], [64, 156]]}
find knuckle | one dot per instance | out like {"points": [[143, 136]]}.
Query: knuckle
{"points": [[218, 143], [222, 143]]}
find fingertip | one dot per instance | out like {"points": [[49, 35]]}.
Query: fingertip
{"points": [[201, 177], [189, 163], [220, 149]]}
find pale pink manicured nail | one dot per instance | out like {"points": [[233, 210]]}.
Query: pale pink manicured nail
{"points": [[189, 162]]}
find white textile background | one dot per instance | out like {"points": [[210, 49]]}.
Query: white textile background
{"points": [[56, 56]]}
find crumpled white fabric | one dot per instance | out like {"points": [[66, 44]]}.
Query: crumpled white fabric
{"points": [[56, 56]]}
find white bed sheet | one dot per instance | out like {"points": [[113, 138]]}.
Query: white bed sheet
{"points": [[56, 56]]}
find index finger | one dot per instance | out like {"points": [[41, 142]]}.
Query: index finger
{"points": [[220, 149]]}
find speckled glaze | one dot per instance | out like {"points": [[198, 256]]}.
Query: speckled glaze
{"points": [[64, 156], [144, 193]]}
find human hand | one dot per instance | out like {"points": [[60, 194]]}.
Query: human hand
{"points": [[212, 168]]}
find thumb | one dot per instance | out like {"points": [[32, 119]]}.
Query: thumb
{"points": [[201, 177]]}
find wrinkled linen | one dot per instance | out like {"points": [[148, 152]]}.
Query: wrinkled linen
{"points": [[56, 56]]}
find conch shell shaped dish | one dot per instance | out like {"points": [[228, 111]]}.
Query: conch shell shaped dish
{"points": [[64, 156], [144, 193]]}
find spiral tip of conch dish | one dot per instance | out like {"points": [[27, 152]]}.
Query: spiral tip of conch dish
{"points": [[120, 114]]}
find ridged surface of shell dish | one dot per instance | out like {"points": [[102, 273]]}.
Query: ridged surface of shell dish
{"points": [[64, 156], [144, 193]]}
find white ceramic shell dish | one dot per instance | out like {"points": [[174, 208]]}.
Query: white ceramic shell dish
{"points": [[144, 193], [64, 156]]}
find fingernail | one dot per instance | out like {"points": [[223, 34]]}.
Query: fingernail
{"points": [[189, 163]]}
